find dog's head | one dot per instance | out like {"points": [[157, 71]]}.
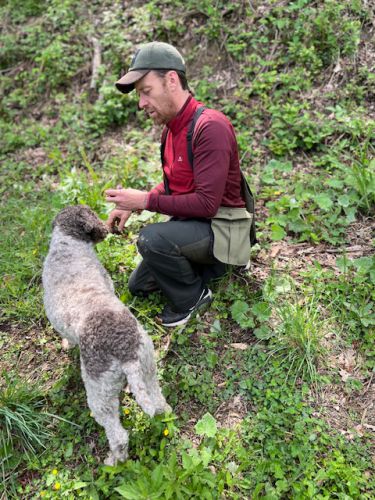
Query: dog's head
{"points": [[82, 223]]}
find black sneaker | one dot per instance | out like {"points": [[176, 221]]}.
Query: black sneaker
{"points": [[171, 318]]}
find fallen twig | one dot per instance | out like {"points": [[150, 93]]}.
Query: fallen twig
{"points": [[96, 62], [355, 248]]}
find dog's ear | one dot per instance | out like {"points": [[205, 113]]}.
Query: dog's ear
{"points": [[95, 229]]}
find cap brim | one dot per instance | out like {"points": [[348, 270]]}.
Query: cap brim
{"points": [[126, 83]]}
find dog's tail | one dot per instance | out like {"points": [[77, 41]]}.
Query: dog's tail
{"points": [[142, 378]]}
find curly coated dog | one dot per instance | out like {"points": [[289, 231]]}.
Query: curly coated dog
{"points": [[80, 303]]}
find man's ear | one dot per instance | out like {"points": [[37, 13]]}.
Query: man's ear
{"points": [[173, 80]]}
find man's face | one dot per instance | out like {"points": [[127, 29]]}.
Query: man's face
{"points": [[155, 97]]}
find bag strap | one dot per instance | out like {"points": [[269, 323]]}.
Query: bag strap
{"points": [[190, 134], [245, 188], [162, 149], [247, 195]]}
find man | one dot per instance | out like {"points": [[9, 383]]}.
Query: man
{"points": [[209, 226]]}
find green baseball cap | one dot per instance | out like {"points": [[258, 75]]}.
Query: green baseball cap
{"points": [[153, 55]]}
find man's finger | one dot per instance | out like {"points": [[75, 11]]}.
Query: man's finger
{"points": [[112, 219], [112, 192], [123, 220], [111, 199]]}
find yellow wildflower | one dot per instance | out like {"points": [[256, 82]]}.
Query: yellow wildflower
{"points": [[166, 432], [126, 411], [56, 486], [54, 472]]}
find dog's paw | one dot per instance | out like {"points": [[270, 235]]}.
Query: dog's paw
{"points": [[114, 458], [168, 409], [65, 344], [110, 460], [165, 408]]}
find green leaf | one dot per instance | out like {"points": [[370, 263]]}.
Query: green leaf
{"points": [[323, 201], [129, 492], [335, 183], [239, 311], [68, 450], [93, 493], [344, 200], [267, 177], [343, 263], [261, 310], [277, 232], [157, 477], [206, 426], [216, 327], [364, 264], [239, 308], [263, 333], [350, 214], [281, 166], [78, 485], [206, 455]]}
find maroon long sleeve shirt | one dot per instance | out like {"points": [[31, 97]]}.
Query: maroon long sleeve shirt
{"points": [[215, 180]]}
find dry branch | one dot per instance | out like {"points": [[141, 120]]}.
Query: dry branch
{"points": [[96, 62]]}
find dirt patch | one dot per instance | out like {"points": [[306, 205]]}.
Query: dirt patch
{"points": [[231, 413], [352, 413], [294, 257], [35, 157], [361, 233], [34, 353]]}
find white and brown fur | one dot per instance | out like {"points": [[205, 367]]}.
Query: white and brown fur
{"points": [[80, 303]]}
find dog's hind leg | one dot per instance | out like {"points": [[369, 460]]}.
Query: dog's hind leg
{"points": [[103, 400], [142, 379]]}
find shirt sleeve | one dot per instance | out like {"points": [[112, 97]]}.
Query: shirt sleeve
{"points": [[213, 143], [159, 189]]}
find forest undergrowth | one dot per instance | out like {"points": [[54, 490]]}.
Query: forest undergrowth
{"points": [[272, 389]]}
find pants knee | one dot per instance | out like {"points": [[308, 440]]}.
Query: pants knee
{"points": [[132, 284], [150, 241], [143, 243]]}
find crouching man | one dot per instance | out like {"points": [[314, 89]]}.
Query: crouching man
{"points": [[203, 190]]}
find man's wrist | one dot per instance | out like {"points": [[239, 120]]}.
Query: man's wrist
{"points": [[145, 201]]}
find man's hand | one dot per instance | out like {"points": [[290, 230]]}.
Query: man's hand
{"points": [[117, 219], [127, 199]]}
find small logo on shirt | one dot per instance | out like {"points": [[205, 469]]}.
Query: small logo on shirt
{"points": [[180, 159]]}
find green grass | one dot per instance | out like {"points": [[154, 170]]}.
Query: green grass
{"points": [[24, 428], [299, 335], [246, 381]]}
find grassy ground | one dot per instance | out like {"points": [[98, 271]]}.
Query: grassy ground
{"points": [[272, 388]]}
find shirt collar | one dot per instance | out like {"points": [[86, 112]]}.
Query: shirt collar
{"points": [[184, 115]]}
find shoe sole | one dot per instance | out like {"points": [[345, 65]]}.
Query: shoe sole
{"points": [[183, 321], [178, 323]]}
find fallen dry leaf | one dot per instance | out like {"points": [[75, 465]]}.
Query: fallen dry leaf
{"points": [[275, 250], [239, 345], [344, 375], [347, 360]]}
